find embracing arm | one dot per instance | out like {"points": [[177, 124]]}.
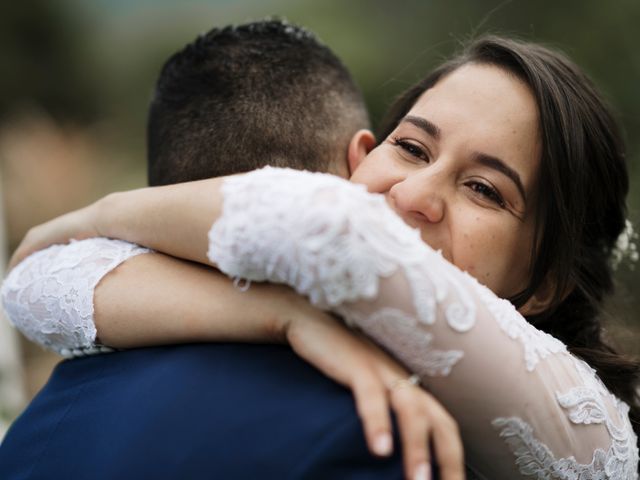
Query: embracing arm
{"points": [[191, 304], [98, 291], [172, 219], [526, 407]]}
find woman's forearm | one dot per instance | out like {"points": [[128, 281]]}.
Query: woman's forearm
{"points": [[348, 251], [173, 219], [155, 299], [100, 291]]}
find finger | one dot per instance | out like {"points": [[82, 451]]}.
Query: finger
{"points": [[448, 448], [372, 405], [414, 426], [343, 363]]}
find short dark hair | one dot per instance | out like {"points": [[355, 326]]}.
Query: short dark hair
{"points": [[242, 97], [581, 191]]}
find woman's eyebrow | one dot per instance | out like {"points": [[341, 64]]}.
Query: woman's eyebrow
{"points": [[484, 159], [423, 124], [496, 164]]}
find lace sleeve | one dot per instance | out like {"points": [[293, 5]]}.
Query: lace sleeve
{"points": [[49, 295], [525, 406]]}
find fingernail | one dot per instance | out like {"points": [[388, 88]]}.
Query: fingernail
{"points": [[383, 444], [422, 472]]}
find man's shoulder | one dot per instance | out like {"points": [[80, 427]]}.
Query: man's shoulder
{"points": [[247, 409]]}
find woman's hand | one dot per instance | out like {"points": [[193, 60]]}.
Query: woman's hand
{"points": [[378, 383]]}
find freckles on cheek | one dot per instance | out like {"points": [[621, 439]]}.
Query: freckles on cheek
{"points": [[377, 181], [485, 278]]}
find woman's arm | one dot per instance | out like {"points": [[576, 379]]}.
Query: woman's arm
{"points": [[526, 407], [198, 304], [156, 299], [173, 219], [145, 298], [115, 293]]}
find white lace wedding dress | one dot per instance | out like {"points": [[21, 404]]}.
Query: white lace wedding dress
{"points": [[525, 406]]}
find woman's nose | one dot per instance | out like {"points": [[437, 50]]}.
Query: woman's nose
{"points": [[418, 199]]}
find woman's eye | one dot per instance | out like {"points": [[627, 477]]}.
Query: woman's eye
{"points": [[411, 148], [487, 192]]}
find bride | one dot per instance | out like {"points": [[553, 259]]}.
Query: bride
{"points": [[500, 176]]}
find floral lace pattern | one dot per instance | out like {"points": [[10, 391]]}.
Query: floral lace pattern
{"points": [[49, 295], [347, 251], [311, 266], [584, 405], [536, 343], [412, 345], [536, 460]]}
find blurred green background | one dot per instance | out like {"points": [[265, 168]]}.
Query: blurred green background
{"points": [[76, 77]]}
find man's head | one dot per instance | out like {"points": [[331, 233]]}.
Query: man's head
{"points": [[239, 98]]}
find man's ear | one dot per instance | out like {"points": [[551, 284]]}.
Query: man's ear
{"points": [[360, 145]]}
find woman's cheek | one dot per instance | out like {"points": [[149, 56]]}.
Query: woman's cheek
{"points": [[482, 254], [370, 174]]}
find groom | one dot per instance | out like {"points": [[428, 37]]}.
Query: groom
{"points": [[233, 100]]}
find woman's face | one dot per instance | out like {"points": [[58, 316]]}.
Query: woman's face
{"points": [[462, 167]]}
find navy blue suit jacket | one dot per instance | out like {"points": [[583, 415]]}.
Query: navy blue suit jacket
{"points": [[191, 412]]}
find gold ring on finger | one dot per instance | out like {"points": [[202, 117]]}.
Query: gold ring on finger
{"points": [[399, 383]]}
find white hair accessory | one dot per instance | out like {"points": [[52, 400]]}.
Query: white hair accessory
{"points": [[625, 247]]}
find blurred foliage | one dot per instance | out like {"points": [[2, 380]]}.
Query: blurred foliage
{"points": [[42, 61], [98, 60], [92, 64]]}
